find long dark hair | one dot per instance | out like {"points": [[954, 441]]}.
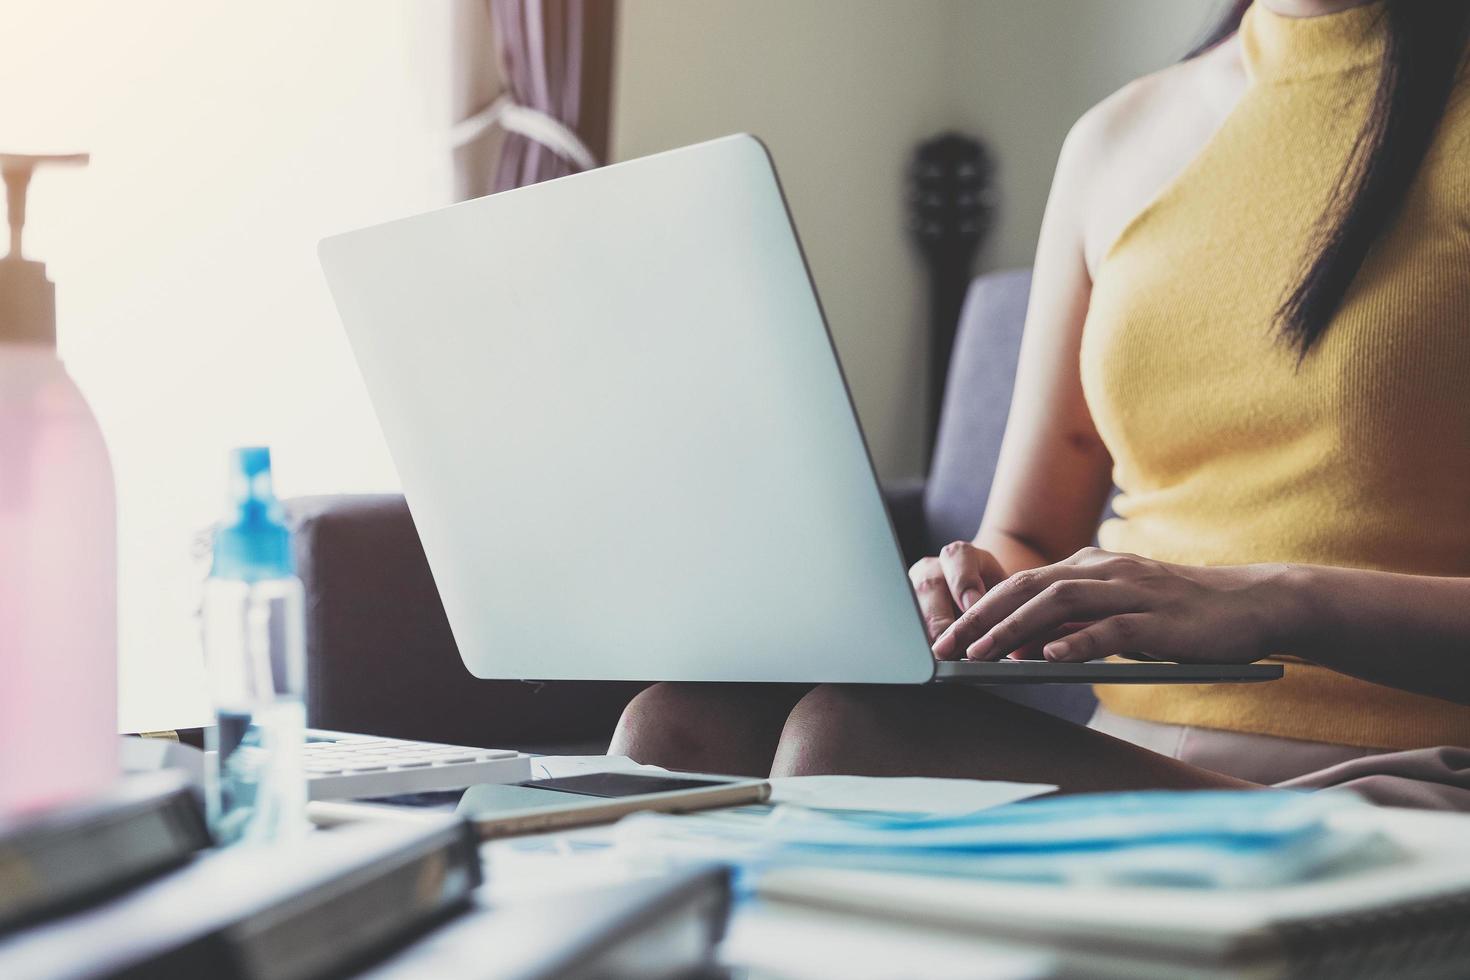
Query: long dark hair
{"points": [[1421, 59]]}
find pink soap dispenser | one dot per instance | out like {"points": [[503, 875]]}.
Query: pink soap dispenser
{"points": [[58, 548]]}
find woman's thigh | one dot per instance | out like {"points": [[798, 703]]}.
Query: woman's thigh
{"points": [[943, 730], [716, 728]]}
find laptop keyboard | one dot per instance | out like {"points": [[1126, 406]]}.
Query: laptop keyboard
{"points": [[342, 765]]}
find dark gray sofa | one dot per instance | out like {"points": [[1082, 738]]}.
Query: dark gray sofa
{"points": [[381, 657]]}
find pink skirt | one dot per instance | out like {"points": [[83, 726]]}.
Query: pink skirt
{"points": [[1435, 778]]}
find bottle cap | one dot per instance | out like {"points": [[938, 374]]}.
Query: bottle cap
{"points": [[254, 543], [27, 297]]}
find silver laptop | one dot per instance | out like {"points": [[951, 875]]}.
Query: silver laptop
{"points": [[626, 441]]}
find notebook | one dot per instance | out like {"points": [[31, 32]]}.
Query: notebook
{"points": [[309, 909], [63, 858], [1410, 918]]}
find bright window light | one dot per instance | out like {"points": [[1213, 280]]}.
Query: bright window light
{"points": [[226, 140]]}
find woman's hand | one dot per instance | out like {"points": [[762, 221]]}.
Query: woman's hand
{"points": [[1099, 604], [952, 582]]}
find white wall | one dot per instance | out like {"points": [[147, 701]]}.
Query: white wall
{"points": [[842, 90]]}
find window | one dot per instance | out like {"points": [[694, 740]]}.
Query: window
{"points": [[226, 141]]}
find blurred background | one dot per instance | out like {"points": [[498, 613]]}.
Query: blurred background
{"points": [[226, 140]]}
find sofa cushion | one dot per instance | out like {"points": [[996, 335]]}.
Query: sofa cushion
{"points": [[977, 399]]}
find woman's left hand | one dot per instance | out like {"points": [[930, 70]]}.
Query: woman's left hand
{"points": [[1099, 604]]}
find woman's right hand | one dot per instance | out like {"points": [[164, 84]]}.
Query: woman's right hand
{"points": [[951, 582]]}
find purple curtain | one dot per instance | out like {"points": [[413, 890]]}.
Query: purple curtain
{"points": [[541, 48]]}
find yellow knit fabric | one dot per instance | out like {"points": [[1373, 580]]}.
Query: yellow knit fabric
{"points": [[1226, 451]]}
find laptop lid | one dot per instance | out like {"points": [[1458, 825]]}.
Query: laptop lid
{"points": [[623, 433]]}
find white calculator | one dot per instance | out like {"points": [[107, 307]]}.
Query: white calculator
{"points": [[341, 765]]}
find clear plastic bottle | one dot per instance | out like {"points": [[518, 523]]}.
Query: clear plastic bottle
{"points": [[58, 548], [254, 647]]}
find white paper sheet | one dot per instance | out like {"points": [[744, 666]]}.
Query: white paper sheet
{"points": [[900, 794], [808, 944]]}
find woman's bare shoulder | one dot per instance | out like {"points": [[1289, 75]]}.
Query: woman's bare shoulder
{"points": [[1122, 151], [1148, 103]]}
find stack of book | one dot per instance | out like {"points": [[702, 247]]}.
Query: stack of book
{"points": [[127, 886], [62, 859], [124, 886]]}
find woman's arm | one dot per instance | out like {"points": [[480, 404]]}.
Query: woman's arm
{"points": [[1406, 631], [1053, 474]]}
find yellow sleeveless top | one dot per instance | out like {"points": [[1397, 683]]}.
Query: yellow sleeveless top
{"points": [[1225, 451]]}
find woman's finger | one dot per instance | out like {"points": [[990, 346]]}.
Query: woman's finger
{"points": [[1003, 600], [1107, 638], [960, 563], [932, 592], [1032, 648], [1064, 601]]}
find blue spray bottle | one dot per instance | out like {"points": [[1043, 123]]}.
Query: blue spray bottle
{"points": [[254, 647]]}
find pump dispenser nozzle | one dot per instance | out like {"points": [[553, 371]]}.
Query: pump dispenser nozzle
{"points": [[27, 297]]}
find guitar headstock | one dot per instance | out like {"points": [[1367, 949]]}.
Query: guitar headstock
{"points": [[951, 194]]}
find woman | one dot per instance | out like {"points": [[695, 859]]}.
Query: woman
{"points": [[1251, 310]]}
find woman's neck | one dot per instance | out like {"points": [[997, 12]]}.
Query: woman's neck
{"points": [[1309, 8]]}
